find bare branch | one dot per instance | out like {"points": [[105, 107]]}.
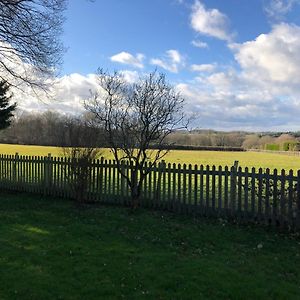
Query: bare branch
{"points": [[136, 117], [30, 48]]}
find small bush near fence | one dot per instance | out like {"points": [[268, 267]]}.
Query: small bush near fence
{"points": [[245, 195]]}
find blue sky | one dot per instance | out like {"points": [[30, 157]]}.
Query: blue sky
{"points": [[236, 62], [96, 31]]}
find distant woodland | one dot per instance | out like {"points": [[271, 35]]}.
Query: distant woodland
{"points": [[53, 129]]}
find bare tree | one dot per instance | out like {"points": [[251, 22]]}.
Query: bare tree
{"points": [[81, 151], [252, 141], [29, 40], [137, 117]]}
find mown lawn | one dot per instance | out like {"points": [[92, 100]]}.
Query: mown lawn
{"points": [[218, 158], [50, 249]]}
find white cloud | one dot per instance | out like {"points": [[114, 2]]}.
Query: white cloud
{"points": [[210, 22], [15, 70], [172, 61], [130, 76], [263, 93], [199, 44], [272, 57], [238, 106], [66, 95], [277, 9], [203, 68], [129, 59]]}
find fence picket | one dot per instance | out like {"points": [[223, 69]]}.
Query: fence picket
{"points": [[179, 188], [149, 185], [117, 183], [274, 205], [266, 197], [226, 208], [239, 192], [220, 186], [122, 180], [253, 193], [246, 201], [290, 197], [154, 197], [189, 190], [109, 179], [169, 205], [164, 185], [260, 194], [298, 202], [207, 206], [158, 185], [195, 189], [201, 208], [213, 190], [174, 185], [184, 173], [282, 200], [232, 189]]}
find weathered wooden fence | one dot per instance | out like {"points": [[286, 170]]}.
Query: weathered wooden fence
{"points": [[231, 193]]}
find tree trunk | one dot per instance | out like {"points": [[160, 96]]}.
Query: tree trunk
{"points": [[135, 195]]}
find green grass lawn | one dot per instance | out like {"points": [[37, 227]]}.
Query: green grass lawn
{"points": [[49, 249], [246, 159]]}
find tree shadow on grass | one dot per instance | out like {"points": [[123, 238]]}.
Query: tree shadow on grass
{"points": [[51, 250]]}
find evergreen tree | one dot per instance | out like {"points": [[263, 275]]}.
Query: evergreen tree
{"points": [[6, 110]]}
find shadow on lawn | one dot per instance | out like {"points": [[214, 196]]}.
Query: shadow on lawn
{"points": [[51, 250]]}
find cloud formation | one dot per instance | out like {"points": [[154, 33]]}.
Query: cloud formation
{"points": [[199, 44], [203, 68], [263, 93], [272, 57], [172, 61], [129, 59], [277, 9], [210, 22], [66, 95]]}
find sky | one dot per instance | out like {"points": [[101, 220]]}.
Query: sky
{"points": [[236, 62]]}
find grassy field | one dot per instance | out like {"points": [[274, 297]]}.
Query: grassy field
{"points": [[246, 159], [52, 250]]}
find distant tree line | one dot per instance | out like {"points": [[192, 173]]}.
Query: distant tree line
{"points": [[54, 129], [246, 140]]}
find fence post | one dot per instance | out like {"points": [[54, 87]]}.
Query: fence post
{"points": [[47, 174], [164, 182], [122, 183], [298, 201], [233, 175], [161, 169], [14, 170]]}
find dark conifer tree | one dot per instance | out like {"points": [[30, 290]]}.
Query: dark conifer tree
{"points": [[6, 109]]}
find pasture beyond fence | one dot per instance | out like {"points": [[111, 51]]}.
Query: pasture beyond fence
{"points": [[260, 196]]}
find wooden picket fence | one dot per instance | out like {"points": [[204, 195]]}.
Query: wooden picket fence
{"points": [[270, 198]]}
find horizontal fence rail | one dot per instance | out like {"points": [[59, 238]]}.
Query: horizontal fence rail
{"points": [[247, 195]]}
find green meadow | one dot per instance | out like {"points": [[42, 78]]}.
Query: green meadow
{"points": [[217, 158], [51, 249]]}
